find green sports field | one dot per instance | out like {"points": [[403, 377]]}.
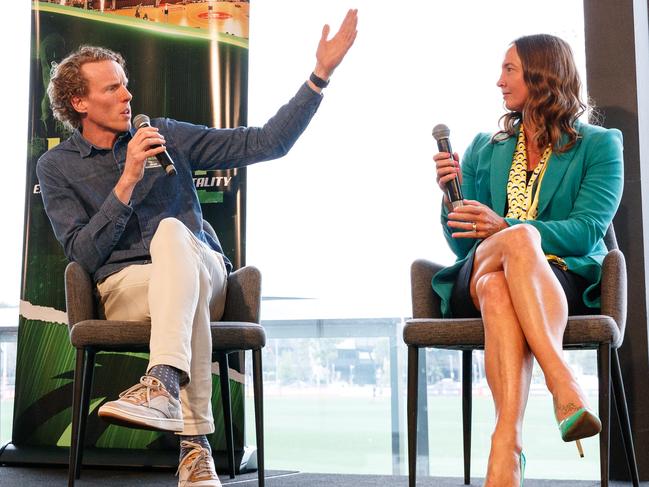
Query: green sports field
{"points": [[352, 435], [316, 433]]}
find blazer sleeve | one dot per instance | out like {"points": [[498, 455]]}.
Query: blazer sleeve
{"points": [[596, 202]]}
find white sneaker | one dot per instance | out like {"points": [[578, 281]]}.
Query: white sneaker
{"points": [[196, 468], [145, 405]]}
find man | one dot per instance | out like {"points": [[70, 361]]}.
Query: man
{"points": [[139, 232]]}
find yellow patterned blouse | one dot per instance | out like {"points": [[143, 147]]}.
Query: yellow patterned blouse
{"points": [[523, 193]]}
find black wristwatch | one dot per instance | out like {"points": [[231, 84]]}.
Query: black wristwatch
{"points": [[318, 81]]}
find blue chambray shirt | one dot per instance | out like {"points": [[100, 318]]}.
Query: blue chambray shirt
{"points": [[104, 235]]}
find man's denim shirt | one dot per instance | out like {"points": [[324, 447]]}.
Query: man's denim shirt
{"points": [[104, 235]]}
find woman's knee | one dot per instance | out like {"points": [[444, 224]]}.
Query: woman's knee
{"points": [[521, 236], [518, 241], [492, 291]]}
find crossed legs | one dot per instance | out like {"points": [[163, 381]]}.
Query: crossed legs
{"points": [[181, 288], [524, 310], [187, 284]]}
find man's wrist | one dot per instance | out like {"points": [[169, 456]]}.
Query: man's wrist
{"points": [[124, 190], [321, 72], [318, 80]]}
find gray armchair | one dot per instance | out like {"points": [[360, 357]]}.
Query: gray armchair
{"points": [[603, 332], [238, 330]]}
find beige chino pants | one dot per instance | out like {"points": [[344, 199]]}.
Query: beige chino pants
{"points": [[180, 291]]}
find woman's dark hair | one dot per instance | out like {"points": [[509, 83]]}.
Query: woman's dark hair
{"points": [[553, 103]]}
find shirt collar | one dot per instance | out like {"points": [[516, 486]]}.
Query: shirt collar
{"points": [[85, 147]]}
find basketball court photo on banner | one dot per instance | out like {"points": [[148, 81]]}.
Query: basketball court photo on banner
{"points": [[227, 17]]}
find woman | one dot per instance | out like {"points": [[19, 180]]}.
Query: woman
{"points": [[540, 195]]}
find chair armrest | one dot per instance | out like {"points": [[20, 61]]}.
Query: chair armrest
{"points": [[79, 294], [425, 302], [243, 295], [614, 289]]}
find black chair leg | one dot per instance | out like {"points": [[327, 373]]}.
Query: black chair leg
{"points": [[467, 398], [623, 416], [413, 383], [227, 409], [604, 373], [77, 387], [258, 388], [86, 393]]}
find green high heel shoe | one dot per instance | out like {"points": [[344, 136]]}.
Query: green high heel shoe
{"points": [[581, 424], [522, 462]]}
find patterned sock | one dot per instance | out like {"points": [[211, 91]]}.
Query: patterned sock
{"points": [[169, 376], [200, 439]]}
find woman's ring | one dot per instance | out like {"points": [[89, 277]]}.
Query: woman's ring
{"points": [[475, 226]]}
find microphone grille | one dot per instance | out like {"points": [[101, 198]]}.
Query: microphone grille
{"points": [[141, 120], [441, 131]]}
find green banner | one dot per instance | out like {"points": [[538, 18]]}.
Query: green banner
{"points": [[188, 62]]}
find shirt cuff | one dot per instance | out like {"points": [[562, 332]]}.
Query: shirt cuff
{"points": [[307, 94], [115, 210]]}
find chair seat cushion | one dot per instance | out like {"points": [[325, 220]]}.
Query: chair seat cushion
{"points": [[134, 335], [468, 333], [237, 335], [461, 333]]}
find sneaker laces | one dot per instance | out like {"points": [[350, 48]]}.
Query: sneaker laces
{"points": [[200, 464], [142, 390]]}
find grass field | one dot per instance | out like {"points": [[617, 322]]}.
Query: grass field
{"points": [[352, 435]]}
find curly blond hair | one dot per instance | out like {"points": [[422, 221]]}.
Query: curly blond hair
{"points": [[554, 103], [66, 81]]}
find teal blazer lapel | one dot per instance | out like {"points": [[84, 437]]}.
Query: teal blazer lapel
{"points": [[557, 166], [501, 163]]}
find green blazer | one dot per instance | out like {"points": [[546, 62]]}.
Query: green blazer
{"points": [[578, 198]]}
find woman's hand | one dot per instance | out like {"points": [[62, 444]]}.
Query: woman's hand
{"points": [[447, 169], [475, 220]]}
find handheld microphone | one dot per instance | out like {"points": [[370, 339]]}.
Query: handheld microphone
{"points": [[164, 158], [453, 189]]}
